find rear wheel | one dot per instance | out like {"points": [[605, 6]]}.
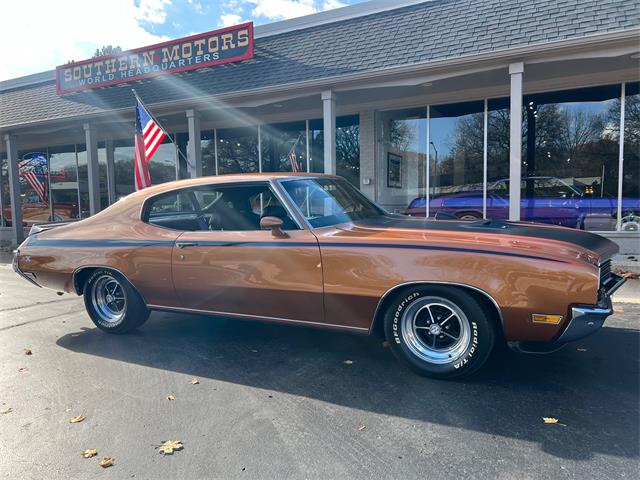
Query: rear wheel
{"points": [[112, 302], [469, 216], [440, 332]]}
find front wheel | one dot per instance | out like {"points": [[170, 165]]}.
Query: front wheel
{"points": [[112, 303], [440, 332]]}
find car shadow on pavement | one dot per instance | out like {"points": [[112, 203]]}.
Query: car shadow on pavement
{"points": [[591, 386]]}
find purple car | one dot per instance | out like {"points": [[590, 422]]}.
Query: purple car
{"points": [[554, 201]]}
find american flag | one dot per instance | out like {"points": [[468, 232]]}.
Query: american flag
{"points": [[28, 171], [148, 138], [39, 187], [293, 159]]}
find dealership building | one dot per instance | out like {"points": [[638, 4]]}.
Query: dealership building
{"points": [[526, 110]]}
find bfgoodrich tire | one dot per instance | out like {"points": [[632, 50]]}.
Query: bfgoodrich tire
{"points": [[439, 332], [112, 303]]}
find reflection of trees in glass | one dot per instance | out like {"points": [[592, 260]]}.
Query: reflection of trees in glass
{"points": [[348, 153], [237, 150], [401, 135]]}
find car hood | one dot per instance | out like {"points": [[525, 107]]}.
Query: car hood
{"points": [[550, 240]]}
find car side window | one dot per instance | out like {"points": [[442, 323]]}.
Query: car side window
{"points": [[240, 207], [172, 210]]}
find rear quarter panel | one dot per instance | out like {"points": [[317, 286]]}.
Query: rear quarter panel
{"points": [[114, 238]]}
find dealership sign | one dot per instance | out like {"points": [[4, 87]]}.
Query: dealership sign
{"points": [[230, 44]]}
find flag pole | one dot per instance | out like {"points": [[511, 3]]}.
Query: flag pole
{"points": [[135, 94]]}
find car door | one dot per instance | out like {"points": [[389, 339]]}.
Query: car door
{"points": [[234, 267]]}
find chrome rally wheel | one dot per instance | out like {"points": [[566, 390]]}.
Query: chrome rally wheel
{"points": [[436, 330], [108, 298], [113, 304], [440, 331]]}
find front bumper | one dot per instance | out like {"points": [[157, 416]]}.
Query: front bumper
{"points": [[588, 319], [585, 320]]}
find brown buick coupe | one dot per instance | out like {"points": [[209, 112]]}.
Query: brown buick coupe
{"points": [[311, 250]]}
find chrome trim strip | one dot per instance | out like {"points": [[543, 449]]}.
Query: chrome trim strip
{"points": [[434, 282], [256, 317]]}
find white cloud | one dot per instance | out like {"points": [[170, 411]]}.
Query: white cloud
{"points": [[65, 30], [284, 9], [153, 11], [230, 19]]}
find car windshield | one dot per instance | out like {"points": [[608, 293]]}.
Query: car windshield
{"points": [[327, 201]]}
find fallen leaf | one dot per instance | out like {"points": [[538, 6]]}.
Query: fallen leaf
{"points": [[27, 351], [626, 274], [169, 446], [106, 462], [581, 349], [348, 362], [553, 421], [618, 310], [6, 410], [22, 369], [90, 452], [77, 419], [361, 428], [170, 397], [194, 381]]}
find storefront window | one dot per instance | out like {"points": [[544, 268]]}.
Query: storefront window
{"points": [[63, 173], [5, 196], [498, 139], [123, 166], [571, 157], [162, 167], [207, 144], [402, 150], [238, 150], [631, 165], [284, 147], [348, 148], [316, 146], [456, 139]]}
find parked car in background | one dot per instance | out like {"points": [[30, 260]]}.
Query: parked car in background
{"points": [[311, 250], [554, 202]]}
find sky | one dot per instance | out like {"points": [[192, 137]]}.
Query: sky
{"points": [[38, 35]]}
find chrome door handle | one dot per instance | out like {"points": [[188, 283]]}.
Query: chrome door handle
{"points": [[186, 244]]}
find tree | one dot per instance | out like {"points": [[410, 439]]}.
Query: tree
{"points": [[107, 50]]}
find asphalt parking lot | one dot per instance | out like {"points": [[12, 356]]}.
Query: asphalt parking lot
{"points": [[279, 402]]}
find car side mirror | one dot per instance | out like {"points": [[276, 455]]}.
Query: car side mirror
{"points": [[275, 225]]}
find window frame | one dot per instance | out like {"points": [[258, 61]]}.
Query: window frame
{"points": [[272, 186]]}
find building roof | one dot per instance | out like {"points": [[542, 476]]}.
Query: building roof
{"points": [[410, 34]]}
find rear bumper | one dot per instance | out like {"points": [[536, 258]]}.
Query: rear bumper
{"points": [[29, 277]]}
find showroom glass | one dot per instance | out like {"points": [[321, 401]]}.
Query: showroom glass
{"points": [[402, 154], [498, 140], [5, 195], [347, 147], [237, 150], [208, 148], [631, 167], [324, 201], [83, 177], [456, 139], [282, 144], [570, 137], [63, 173]]}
